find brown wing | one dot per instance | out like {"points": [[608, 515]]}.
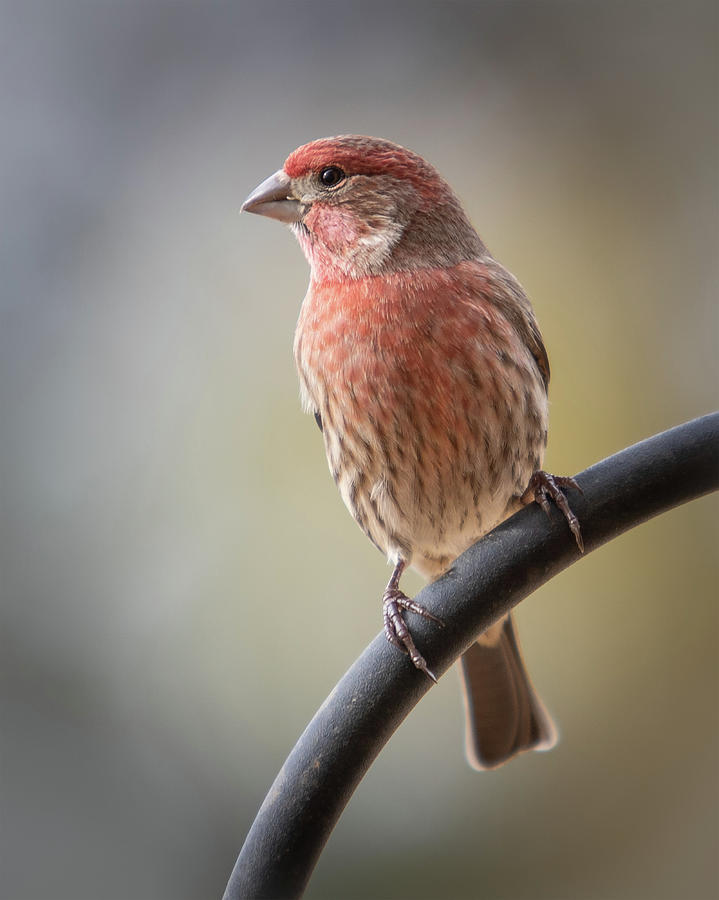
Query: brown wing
{"points": [[507, 295]]}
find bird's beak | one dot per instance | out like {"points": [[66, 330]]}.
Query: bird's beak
{"points": [[274, 198]]}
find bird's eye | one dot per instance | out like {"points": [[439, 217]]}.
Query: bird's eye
{"points": [[331, 176]]}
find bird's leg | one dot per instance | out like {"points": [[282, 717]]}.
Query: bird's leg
{"points": [[544, 487], [395, 628]]}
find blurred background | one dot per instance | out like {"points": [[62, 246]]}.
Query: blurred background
{"points": [[181, 585]]}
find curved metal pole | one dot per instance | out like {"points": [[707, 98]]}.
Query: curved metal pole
{"points": [[379, 690]]}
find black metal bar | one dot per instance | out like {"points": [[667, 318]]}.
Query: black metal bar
{"points": [[379, 690]]}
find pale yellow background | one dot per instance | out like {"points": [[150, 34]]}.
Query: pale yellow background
{"points": [[181, 586]]}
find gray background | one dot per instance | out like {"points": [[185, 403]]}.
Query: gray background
{"points": [[181, 586]]}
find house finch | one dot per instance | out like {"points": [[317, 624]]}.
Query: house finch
{"points": [[421, 360]]}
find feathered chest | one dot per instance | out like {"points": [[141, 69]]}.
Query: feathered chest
{"points": [[431, 405], [352, 351], [417, 346], [370, 339]]}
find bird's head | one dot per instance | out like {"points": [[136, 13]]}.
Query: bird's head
{"points": [[363, 206]]}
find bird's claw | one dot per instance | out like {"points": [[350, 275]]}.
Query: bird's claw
{"points": [[395, 628], [544, 487]]}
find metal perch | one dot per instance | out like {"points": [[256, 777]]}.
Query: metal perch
{"points": [[498, 572]]}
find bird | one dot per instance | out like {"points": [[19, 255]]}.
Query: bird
{"points": [[421, 360]]}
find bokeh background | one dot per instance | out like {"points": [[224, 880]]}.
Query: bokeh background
{"points": [[181, 586]]}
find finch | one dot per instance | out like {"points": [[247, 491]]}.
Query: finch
{"points": [[421, 360]]}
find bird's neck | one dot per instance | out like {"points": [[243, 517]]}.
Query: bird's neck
{"points": [[340, 248]]}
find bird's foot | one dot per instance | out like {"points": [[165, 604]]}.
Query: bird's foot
{"points": [[395, 628], [544, 487]]}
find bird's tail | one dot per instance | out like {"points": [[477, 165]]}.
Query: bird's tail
{"points": [[504, 714]]}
